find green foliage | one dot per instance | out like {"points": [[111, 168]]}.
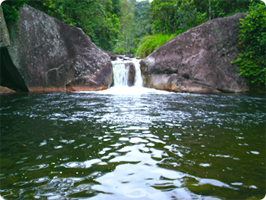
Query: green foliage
{"points": [[11, 8], [116, 7], [169, 16], [123, 26], [119, 51], [132, 50], [252, 46], [142, 19], [150, 43], [201, 18], [127, 26], [222, 8], [134, 22], [176, 16], [97, 18]]}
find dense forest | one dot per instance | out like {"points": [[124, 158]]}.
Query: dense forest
{"points": [[139, 27]]}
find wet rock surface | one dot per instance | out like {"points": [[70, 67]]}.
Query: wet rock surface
{"points": [[199, 60], [131, 73]]}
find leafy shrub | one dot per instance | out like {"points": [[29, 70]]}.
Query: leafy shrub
{"points": [[120, 51], [252, 46], [151, 42], [201, 18], [131, 50], [10, 9]]}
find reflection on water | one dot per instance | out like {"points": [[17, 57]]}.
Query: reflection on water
{"points": [[145, 146]]}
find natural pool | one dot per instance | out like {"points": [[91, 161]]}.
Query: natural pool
{"points": [[136, 146]]}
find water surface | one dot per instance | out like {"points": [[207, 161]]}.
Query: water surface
{"points": [[150, 145]]}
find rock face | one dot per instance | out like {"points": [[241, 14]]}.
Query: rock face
{"points": [[7, 74], [131, 73], [197, 60], [46, 55], [112, 55]]}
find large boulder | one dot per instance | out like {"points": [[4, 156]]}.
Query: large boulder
{"points": [[48, 55], [199, 60], [5, 72]]}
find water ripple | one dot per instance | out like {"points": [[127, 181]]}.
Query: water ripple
{"points": [[147, 146]]}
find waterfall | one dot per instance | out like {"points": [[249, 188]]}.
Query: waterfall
{"points": [[138, 78], [121, 73]]}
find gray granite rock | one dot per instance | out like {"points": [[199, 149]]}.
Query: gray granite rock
{"points": [[199, 60], [4, 35], [50, 55]]}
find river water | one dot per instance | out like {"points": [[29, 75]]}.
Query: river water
{"points": [[132, 143]]}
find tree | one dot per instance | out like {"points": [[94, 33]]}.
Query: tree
{"points": [[135, 23], [127, 26], [222, 8], [97, 18], [142, 18], [252, 40], [117, 7], [169, 16]]}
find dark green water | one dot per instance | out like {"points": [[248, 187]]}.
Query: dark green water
{"points": [[149, 146]]}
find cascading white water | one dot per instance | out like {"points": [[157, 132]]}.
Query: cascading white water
{"points": [[120, 80], [121, 73], [138, 78], [120, 76]]}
